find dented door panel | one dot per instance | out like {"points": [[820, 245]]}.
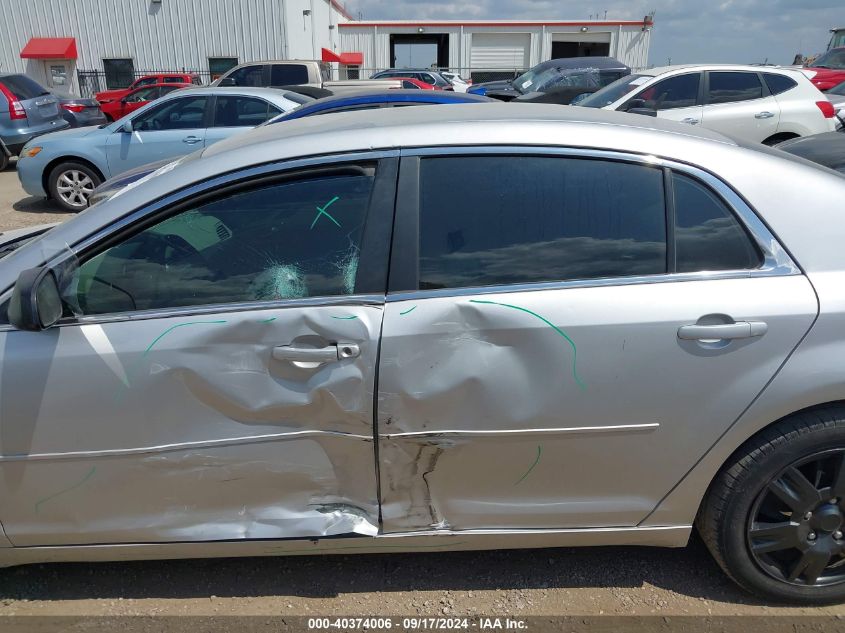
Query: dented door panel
{"points": [[575, 407], [186, 428]]}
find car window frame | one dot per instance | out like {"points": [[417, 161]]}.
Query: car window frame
{"points": [[212, 117], [765, 91], [699, 101], [404, 262], [371, 277], [207, 113]]}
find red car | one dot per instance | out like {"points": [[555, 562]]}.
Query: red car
{"points": [[149, 80], [138, 98], [828, 70], [415, 84]]}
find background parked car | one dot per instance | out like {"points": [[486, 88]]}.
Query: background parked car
{"points": [[760, 104], [545, 76], [79, 111], [431, 77], [836, 96], [286, 74], [413, 84], [68, 165], [138, 98], [825, 149], [340, 103], [458, 83], [147, 80], [27, 110], [828, 70]]}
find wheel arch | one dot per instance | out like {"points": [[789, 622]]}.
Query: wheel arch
{"points": [[774, 139], [68, 159]]}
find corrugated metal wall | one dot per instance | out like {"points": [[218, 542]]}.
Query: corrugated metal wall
{"points": [[170, 35]]}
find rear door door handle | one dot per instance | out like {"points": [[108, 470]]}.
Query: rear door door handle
{"points": [[722, 331], [316, 355], [764, 115], [691, 121], [190, 140]]}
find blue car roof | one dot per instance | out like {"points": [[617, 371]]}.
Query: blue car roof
{"points": [[377, 98]]}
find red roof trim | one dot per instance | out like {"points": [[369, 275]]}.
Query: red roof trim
{"points": [[349, 59], [494, 23], [50, 48]]}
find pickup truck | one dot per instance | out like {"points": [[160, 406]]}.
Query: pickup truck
{"points": [[296, 72]]}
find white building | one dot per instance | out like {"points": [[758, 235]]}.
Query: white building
{"points": [[111, 41], [479, 47], [82, 46]]}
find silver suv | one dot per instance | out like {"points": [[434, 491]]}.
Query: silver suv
{"points": [[26, 111]]}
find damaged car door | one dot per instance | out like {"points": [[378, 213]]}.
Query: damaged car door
{"points": [[213, 375], [566, 333]]}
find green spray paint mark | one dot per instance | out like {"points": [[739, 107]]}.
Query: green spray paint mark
{"points": [[348, 318], [536, 461], [61, 492], [268, 320], [170, 329], [407, 311], [322, 211], [551, 325]]}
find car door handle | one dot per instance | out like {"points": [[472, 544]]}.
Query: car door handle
{"points": [[722, 331], [190, 140], [763, 115], [318, 355], [691, 121]]}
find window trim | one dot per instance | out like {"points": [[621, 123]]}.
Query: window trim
{"points": [[383, 189], [211, 119], [776, 260], [765, 92], [161, 103]]}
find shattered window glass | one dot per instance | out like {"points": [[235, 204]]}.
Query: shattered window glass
{"points": [[524, 219], [288, 240]]}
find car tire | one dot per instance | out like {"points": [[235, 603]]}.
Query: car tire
{"points": [[4, 160], [71, 184], [776, 510]]}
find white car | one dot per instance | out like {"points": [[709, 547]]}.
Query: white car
{"points": [[458, 83], [761, 104]]}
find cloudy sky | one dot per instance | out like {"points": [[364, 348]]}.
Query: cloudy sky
{"points": [[740, 31]]}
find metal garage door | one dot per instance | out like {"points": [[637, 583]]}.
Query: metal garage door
{"points": [[500, 50]]}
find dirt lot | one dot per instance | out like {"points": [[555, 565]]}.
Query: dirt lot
{"points": [[611, 581]]}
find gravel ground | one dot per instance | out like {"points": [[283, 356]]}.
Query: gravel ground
{"points": [[588, 581]]}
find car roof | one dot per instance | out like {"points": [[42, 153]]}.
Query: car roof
{"points": [[583, 62], [661, 70], [376, 97], [480, 123], [267, 93]]}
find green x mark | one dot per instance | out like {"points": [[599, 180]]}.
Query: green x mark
{"points": [[322, 211]]}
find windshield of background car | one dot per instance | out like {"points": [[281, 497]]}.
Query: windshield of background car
{"points": [[528, 81], [23, 87], [615, 91], [832, 59]]}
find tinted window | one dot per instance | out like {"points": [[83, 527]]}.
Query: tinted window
{"points": [[174, 80], [237, 111], [248, 76], [177, 114], [219, 65], [288, 74], [531, 219], [732, 87], [707, 235], [23, 87], [675, 92], [778, 83], [144, 94], [409, 85], [283, 241], [165, 90]]}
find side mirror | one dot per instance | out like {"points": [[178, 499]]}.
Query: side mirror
{"points": [[635, 104], [126, 128], [228, 81], [579, 98], [36, 303]]}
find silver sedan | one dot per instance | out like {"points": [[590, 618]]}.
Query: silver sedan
{"points": [[420, 329]]}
